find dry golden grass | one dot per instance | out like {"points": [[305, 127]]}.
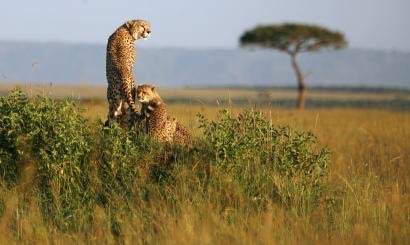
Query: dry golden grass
{"points": [[87, 91], [370, 161], [370, 170], [370, 166]]}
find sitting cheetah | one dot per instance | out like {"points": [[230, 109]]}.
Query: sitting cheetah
{"points": [[158, 123], [119, 62]]}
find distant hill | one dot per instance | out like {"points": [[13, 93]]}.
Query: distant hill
{"points": [[176, 67]]}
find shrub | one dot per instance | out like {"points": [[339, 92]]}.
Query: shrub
{"points": [[12, 110], [2, 206], [254, 163], [268, 163], [56, 137], [120, 154], [61, 144]]}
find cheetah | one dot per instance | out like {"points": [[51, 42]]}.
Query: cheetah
{"points": [[159, 124], [119, 63]]}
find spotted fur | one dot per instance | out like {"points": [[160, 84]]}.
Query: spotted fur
{"points": [[159, 124], [119, 64]]}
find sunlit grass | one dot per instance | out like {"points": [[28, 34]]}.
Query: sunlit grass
{"points": [[198, 95], [369, 182], [370, 169]]}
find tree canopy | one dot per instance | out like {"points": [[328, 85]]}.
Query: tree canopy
{"points": [[293, 38]]}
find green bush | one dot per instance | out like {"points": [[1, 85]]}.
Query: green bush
{"points": [[242, 162], [12, 111], [269, 163], [56, 137], [121, 153], [61, 143], [2, 206]]}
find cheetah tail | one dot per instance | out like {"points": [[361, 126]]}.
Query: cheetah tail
{"points": [[130, 100]]}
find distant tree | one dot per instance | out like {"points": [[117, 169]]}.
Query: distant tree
{"points": [[293, 39]]}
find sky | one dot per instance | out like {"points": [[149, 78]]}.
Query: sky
{"points": [[369, 24]]}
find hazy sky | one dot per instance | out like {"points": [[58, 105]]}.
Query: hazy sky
{"points": [[375, 24]]}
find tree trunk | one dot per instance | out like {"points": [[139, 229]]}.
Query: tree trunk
{"points": [[301, 83]]}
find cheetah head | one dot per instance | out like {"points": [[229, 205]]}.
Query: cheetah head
{"points": [[138, 28], [146, 93]]}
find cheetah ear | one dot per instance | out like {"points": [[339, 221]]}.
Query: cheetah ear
{"points": [[153, 87], [129, 23]]}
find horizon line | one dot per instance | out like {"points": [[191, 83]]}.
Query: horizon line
{"points": [[67, 42]]}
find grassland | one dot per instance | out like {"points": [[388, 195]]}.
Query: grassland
{"points": [[369, 182], [210, 95]]}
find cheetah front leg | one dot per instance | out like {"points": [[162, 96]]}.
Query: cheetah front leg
{"points": [[135, 119]]}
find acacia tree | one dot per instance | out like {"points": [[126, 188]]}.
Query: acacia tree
{"points": [[293, 39]]}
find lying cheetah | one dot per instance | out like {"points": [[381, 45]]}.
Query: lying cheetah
{"points": [[119, 63], [158, 123]]}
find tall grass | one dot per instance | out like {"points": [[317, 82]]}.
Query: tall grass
{"points": [[248, 180]]}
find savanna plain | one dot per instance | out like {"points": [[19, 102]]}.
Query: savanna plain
{"points": [[258, 173]]}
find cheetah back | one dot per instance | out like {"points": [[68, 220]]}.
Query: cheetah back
{"points": [[160, 125]]}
